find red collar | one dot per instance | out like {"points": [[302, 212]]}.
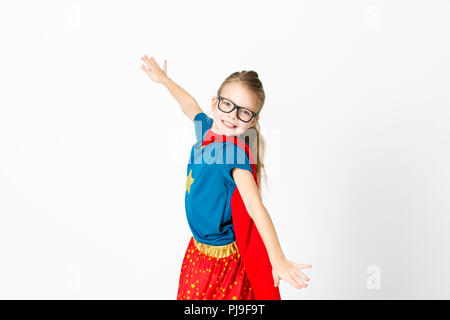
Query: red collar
{"points": [[211, 136], [214, 137]]}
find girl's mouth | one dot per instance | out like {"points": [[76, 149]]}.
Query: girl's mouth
{"points": [[228, 125]]}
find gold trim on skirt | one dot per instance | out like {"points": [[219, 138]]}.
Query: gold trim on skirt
{"points": [[217, 251]]}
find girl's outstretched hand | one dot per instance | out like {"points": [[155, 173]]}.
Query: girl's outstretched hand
{"points": [[290, 271], [153, 70]]}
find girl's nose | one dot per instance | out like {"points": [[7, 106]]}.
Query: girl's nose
{"points": [[233, 114]]}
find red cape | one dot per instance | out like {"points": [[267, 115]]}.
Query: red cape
{"points": [[250, 244]]}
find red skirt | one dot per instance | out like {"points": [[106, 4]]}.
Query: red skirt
{"points": [[213, 273]]}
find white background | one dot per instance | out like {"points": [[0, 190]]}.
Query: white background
{"points": [[93, 153]]}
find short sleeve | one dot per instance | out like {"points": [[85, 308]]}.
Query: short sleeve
{"points": [[201, 123], [234, 157]]}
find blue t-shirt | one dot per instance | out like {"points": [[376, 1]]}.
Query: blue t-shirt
{"points": [[209, 186]]}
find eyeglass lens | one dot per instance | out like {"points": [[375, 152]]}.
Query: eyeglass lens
{"points": [[243, 114]]}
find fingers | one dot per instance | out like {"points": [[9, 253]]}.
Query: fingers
{"points": [[298, 276], [151, 63], [301, 276], [296, 282], [298, 271], [147, 61], [291, 272], [293, 279], [153, 66], [298, 279], [276, 279], [146, 67]]}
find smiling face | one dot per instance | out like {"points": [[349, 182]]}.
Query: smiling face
{"points": [[241, 96]]}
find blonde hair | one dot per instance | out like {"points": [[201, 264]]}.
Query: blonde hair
{"points": [[252, 136]]}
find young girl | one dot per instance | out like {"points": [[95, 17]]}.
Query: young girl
{"points": [[234, 252]]}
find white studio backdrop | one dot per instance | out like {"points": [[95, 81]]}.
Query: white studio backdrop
{"points": [[93, 154]]}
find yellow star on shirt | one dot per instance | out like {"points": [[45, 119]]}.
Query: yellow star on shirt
{"points": [[189, 181]]}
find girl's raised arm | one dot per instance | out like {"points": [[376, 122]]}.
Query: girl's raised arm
{"points": [[188, 104]]}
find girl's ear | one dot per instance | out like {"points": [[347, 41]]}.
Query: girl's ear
{"points": [[213, 103], [255, 120]]}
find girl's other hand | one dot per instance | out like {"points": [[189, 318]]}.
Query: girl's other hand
{"points": [[153, 70], [290, 271]]}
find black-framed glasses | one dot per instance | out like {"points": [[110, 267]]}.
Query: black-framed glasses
{"points": [[226, 105]]}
